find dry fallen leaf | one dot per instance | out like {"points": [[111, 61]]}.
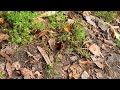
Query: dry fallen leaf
{"points": [[86, 13], [98, 61], [85, 75], [8, 50], [9, 69], [75, 71], [44, 54], [5, 56], [16, 65], [103, 25], [71, 21], [99, 75], [86, 64], [27, 73], [3, 37], [91, 20], [52, 43], [95, 49], [38, 75]]}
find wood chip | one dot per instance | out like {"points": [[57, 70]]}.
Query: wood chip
{"points": [[44, 54], [52, 43]]}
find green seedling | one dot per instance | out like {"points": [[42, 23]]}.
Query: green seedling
{"points": [[56, 72]]}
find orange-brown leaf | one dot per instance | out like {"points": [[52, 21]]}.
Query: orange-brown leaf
{"points": [[67, 28]]}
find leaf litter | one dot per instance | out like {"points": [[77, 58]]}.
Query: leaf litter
{"points": [[72, 66]]}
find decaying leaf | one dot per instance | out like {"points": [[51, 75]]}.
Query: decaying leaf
{"points": [[16, 66], [38, 75], [75, 71], [44, 54], [52, 43], [90, 19], [9, 69], [3, 37], [85, 75], [86, 64], [8, 50], [27, 73], [103, 25], [5, 56], [98, 61], [95, 49]]}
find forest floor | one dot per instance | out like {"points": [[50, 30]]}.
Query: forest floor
{"points": [[48, 56]]}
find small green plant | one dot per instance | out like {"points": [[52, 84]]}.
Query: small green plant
{"points": [[21, 23], [108, 16], [1, 74], [56, 72], [84, 53], [79, 32], [57, 21]]}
